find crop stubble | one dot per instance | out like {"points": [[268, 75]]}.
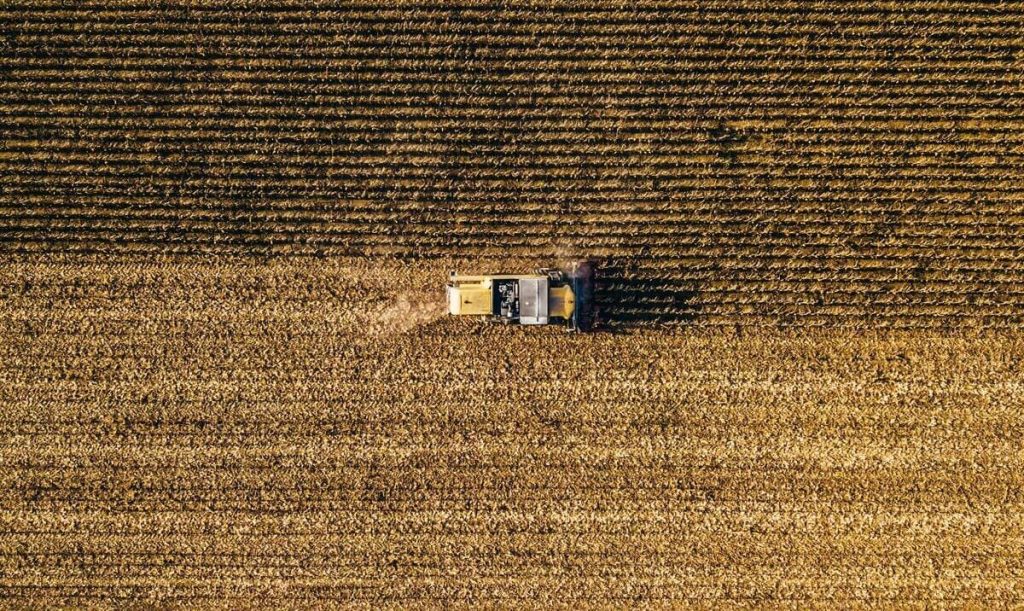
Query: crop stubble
{"points": [[301, 430], [224, 366]]}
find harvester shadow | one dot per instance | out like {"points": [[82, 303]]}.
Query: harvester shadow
{"points": [[628, 297]]}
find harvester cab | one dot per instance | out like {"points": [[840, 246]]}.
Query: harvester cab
{"points": [[551, 295]]}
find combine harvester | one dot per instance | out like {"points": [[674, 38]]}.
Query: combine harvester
{"points": [[549, 296]]}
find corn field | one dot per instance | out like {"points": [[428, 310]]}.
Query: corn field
{"points": [[227, 377]]}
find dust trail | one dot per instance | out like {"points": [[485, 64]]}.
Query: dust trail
{"points": [[408, 311]]}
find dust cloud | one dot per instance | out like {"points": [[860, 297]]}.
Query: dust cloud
{"points": [[408, 311]]}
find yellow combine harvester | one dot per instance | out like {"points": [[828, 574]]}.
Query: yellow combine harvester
{"points": [[548, 296]]}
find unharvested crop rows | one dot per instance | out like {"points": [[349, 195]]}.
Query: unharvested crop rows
{"points": [[733, 143]]}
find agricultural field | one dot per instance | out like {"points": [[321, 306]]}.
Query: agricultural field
{"points": [[226, 373], [855, 163], [312, 431]]}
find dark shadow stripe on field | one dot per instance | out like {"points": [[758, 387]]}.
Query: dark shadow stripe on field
{"points": [[626, 295]]}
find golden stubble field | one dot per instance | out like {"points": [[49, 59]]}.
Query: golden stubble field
{"points": [[225, 374], [288, 431]]}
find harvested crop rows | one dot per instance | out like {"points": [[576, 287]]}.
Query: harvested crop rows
{"points": [[226, 377], [316, 431]]}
